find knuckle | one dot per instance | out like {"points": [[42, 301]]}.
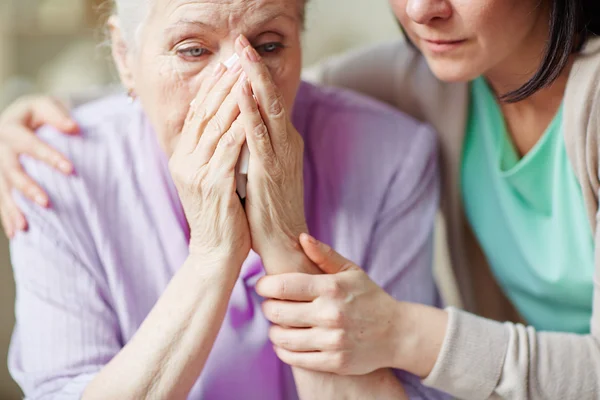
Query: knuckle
{"points": [[276, 313], [260, 131], [216, 124], [334, 318], [228, 139], [284, 288], [275, 108], [339, 340], [264, 77], [333, 287]]}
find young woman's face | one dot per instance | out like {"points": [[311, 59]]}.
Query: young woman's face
{"points": [[463, 39]]}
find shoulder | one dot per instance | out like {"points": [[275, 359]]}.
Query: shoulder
{"points": [[103, 123], [109, 145], [343, 114], [371, 70], [110, 128], [360, 143]]}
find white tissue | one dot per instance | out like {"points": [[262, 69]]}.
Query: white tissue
{"points": [[231, 61]]}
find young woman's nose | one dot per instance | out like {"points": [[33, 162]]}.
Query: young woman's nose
{"points": [[426, 11]]}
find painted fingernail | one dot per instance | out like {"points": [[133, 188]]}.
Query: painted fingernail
{"points": [[251, 54], [243, 41], [219, 69]]}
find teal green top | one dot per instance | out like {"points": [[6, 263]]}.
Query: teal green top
{"points": [[529, 217]]}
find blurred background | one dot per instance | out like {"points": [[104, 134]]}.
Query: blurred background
{"points": [[58, 46]]}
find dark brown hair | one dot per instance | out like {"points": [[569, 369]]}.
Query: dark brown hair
{"points": [[572, 22]]}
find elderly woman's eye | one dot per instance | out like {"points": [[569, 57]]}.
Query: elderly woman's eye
{"points": [[269, 48], [193, 52]]}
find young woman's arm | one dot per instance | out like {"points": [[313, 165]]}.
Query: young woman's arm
{"points": [[474, 358]]}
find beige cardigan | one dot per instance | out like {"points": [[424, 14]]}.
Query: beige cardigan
{"points": [[482, 358]]}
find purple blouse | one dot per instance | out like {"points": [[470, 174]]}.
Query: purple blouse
{"points": [[90, 269]]}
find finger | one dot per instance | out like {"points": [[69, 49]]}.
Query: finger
{"points": [[207, 85], [291, 286], [4, 217], [193, 123], [6, 222], [309, 339], [206, 110], [327, 259], [314, 360], [14, 216], [18, 179], [228, 151], [24, 141], [42, 151], [221, 90], [270, 100], [289, 313], [217, 126], [257, 134], [50, 111]]}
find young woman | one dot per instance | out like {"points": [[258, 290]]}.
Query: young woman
{"points": [[512, 87]]}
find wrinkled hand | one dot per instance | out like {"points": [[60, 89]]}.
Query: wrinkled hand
{"points": [[275, 191], [341, 323], [203, 168], [17, 136]]}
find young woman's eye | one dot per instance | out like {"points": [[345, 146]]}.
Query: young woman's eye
{"points": [[192, 52], [269, 48]]}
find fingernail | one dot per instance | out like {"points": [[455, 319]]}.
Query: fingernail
{"points": [[72, 126], [41, 200], [243, 41], [193, 103], [219, 69], [65, 167], [251, 54], [21, 223], [231, 61], [311, 239]]}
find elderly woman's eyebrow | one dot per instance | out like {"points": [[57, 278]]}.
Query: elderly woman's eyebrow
{"points": [[259, 21]]}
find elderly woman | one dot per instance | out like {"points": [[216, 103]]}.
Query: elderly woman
{"points": [[138, 280]]}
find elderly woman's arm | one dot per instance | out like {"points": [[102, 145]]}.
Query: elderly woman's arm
{"points": [[276, 215], [63, 290]]}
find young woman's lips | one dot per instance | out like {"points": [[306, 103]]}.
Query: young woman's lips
{"points": [[443, 46]]}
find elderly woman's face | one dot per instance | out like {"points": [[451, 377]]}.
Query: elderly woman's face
{"points": [[182, 41]]}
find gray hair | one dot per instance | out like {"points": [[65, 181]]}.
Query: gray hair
{"points": [[131, 14]]}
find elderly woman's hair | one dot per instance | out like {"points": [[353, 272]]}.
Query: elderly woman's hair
{"points": [[132, 13]]}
